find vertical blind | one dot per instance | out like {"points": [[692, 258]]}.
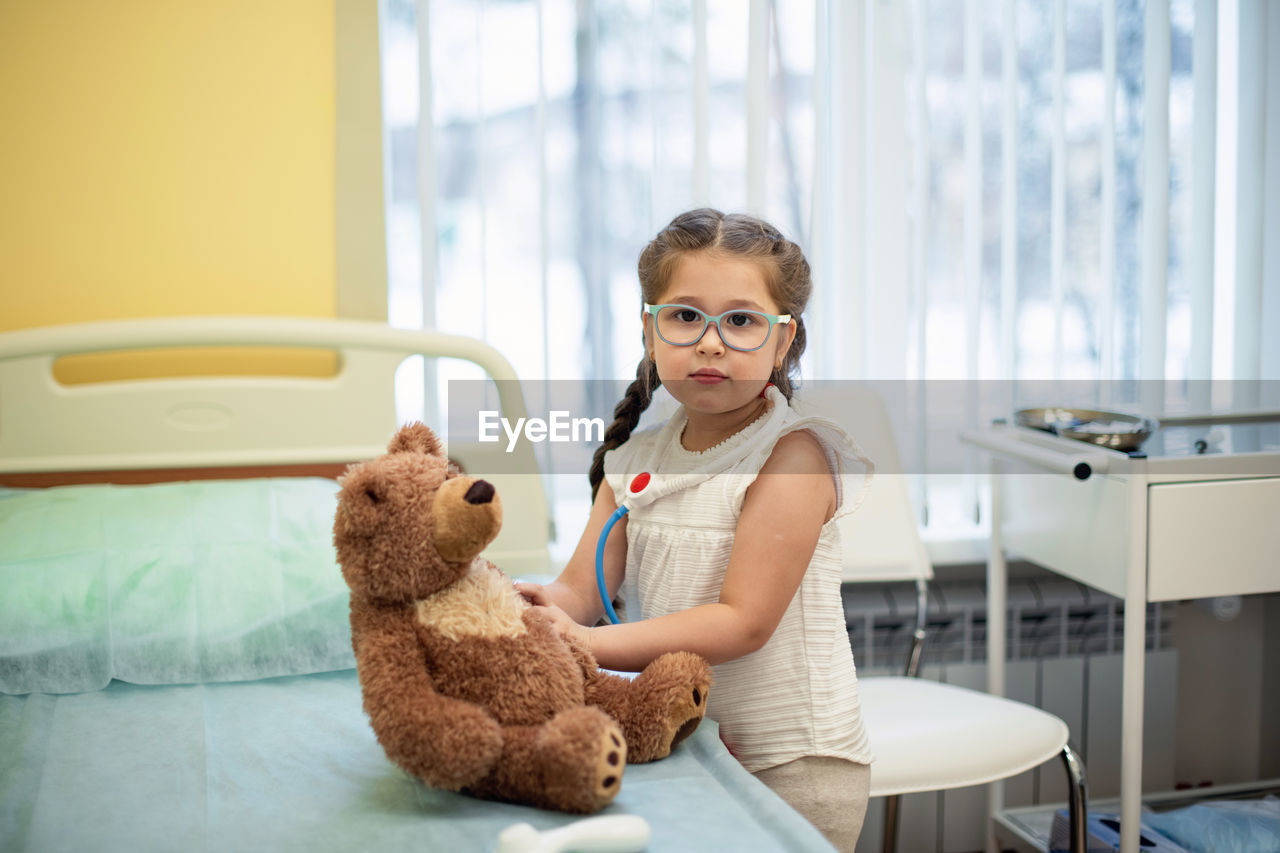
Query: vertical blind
{"points": [[985, 190]]}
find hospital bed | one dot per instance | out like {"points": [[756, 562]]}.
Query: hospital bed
{"points": [[175, 661]]}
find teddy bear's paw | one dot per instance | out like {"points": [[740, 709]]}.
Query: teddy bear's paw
{"points": [[668, 702], [611, 759], [686, 711], [684, 720], [586, 754]]}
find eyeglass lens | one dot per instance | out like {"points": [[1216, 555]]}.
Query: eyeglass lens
{"points": [[681, 325]]}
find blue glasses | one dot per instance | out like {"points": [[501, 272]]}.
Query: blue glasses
{"points": [[739, 329]]}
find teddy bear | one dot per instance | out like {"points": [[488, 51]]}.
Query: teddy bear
{"points": [[467, 686]]}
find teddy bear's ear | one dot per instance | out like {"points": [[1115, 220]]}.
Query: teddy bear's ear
{"points": [[364, 490], [415, 438]]}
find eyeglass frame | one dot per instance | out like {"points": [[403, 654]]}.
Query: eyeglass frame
{"points": [[709, 320]]}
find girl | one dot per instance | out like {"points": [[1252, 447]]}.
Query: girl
{"points": [[742, 564]]}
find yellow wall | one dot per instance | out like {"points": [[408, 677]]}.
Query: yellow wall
{"points": [[162, 157]]}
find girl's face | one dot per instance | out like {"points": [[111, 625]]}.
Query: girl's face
{"points": [[709, 377]]}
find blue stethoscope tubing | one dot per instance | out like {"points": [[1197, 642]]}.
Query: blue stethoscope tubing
{"points": [[604, 536], [642, 490]]}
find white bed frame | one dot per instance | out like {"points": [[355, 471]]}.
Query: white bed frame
{"points": [[149, 430]]}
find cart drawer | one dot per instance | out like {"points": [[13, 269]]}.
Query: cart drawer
{"points": [[1215, 538]]}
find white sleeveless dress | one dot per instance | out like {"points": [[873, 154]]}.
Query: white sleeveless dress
{"points": [[796, 696]]}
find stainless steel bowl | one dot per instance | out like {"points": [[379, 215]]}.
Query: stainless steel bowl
{"points": [[1114, 430]]}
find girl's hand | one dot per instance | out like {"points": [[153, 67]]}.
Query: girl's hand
{"points": [[533, 593], [564, 624]]}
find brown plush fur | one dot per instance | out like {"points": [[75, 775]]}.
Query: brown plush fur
{"points": [[466, 686]]}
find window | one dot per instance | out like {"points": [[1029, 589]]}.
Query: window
{"points": [[969, 186]]}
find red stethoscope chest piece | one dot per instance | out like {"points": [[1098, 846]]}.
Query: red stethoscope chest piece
{"points": [[639, 482]]}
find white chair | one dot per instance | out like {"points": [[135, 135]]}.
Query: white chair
{"points": [[929, 736]]}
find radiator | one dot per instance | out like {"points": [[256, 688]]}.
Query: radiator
{"points": [[1064, 643]]}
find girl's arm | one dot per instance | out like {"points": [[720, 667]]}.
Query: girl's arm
{"points": [[574, 591], [782, 517]]}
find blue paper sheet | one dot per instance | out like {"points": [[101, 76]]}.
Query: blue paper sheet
{"points": [[173, 583], [291, 764]]}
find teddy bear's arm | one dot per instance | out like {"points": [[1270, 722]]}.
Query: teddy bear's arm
{"points": [[586, 660], [603, 689], [446, 742]]}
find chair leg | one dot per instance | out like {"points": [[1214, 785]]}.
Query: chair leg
{"points": [[1077, 801], [889, 834], [1077, 808]]}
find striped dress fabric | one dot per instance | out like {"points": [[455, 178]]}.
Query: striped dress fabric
{"points": [[797, 695]]}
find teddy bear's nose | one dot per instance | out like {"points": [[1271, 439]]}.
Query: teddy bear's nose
{"points": [[480, 492]]}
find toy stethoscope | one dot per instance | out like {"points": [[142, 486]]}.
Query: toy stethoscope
{"points": [[645, 488]]}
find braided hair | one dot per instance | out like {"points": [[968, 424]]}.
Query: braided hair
{"points": [[737, 236]]}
